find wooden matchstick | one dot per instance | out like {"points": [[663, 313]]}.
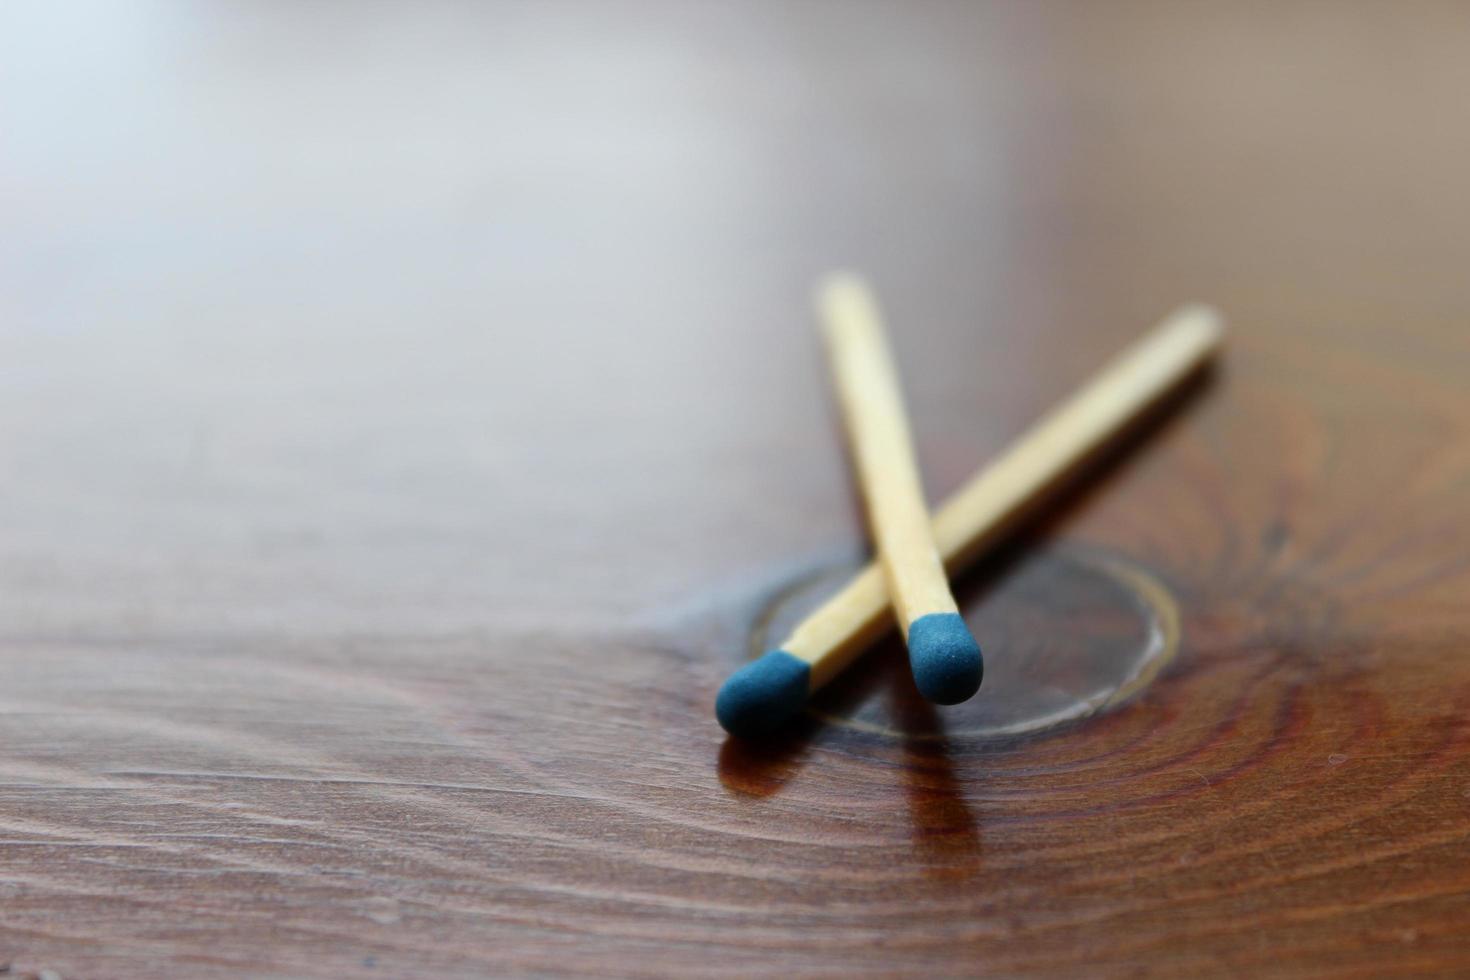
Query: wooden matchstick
{"points": [[769, 691], [944, 657]]}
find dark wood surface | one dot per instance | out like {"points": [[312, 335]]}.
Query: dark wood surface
{"points": [[409, 414]]}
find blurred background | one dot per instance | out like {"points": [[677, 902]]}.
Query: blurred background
{"points": [[408, 412], [361, 313]]}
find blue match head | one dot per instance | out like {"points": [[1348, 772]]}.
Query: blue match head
{"points": [[945, 658], [763, 695]]}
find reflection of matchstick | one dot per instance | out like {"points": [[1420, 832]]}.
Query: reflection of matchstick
{"points": [[764, 694], [944, 657]]}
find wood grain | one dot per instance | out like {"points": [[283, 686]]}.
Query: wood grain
{"points": [[408, 415]]}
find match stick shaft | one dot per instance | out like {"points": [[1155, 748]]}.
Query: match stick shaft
{"points": [[882, 449], [985, 509]]}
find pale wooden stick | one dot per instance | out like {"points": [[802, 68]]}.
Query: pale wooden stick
{"points": [[768, 691], [942, 654]]}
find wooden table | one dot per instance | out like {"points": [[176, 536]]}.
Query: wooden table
{"points": [[410, 414]]}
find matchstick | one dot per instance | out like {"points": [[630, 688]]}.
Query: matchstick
{"points": [[769, 691], [944, 657]]}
